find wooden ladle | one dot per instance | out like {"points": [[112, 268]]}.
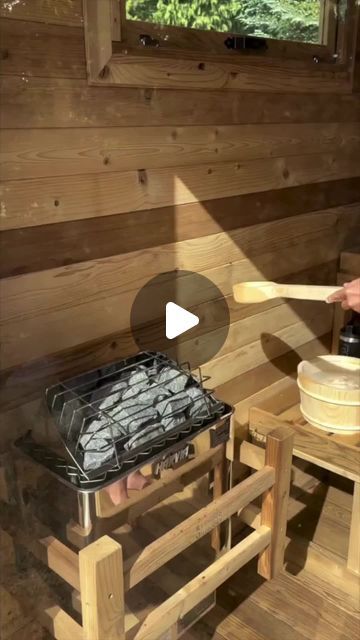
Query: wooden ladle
{"points": [[252, 292]]}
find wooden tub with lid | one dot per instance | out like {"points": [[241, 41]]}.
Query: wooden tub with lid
{"points": [[330, 392]]}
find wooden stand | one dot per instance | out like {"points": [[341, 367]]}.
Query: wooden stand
{"points": [[101, 578], [337, 453]]}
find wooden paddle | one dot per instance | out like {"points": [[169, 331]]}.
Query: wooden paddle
{"points": [[252, 292]]}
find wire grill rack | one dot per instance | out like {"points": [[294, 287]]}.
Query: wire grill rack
{"points": [[116, 418]]}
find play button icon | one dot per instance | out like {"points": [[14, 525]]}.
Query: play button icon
{"points": [[178, 320], [183, 314]]}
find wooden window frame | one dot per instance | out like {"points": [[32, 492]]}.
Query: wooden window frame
{"points": [[116, 54]]}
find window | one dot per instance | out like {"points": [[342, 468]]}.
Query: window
{"points": [[253, 45], [291, 28], [297, 20]]}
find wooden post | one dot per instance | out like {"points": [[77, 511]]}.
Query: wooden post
{"points": [[217, 534], [102, 590], [118, 10], [99, 29], [279, 447], [353, 561]]}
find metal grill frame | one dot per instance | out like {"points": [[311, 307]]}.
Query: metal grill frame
{"points": [[69, 468]]}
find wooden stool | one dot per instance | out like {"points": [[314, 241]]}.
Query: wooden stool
{"points": [[100, 576], [337, 453]]}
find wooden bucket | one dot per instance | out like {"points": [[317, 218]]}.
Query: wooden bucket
{"points": [[330, 393]]}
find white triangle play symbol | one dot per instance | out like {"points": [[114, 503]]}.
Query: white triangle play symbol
{"points": [[178, 320]]}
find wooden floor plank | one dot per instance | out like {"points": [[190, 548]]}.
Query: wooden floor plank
{"points": [[250, 619], [242, 626], [295, 605], [334, 594]]}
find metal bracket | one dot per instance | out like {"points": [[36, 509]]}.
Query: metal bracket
{"points": [[148, 41], [245, 43]]}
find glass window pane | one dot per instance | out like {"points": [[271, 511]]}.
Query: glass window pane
{"points": [[297, 20]]}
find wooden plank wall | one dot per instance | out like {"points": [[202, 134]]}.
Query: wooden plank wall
{"points": [[104, 188]]}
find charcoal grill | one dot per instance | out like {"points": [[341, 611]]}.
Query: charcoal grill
{"points": [[102, 425]]}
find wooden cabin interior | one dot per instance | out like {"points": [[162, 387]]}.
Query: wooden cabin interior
{"points": [[143, 163]]}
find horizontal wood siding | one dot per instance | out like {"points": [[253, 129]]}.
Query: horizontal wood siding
{"points": [[58, 199], [67, 12], [251, 75], [30, 153], [62, 102], [57, 245], [104, 188]]}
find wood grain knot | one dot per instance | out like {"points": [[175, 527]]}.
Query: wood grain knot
{"points": [[286, 173], [148, 94], [104, 73], [142, 176]]}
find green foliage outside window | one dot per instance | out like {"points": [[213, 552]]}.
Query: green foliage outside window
{"points": [[279, 19]]}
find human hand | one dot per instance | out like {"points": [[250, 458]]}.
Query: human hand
{"points": [[349, 296]]}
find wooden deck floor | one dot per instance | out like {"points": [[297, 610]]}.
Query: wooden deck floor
{"points": [[315, 598], [285, 609]]}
